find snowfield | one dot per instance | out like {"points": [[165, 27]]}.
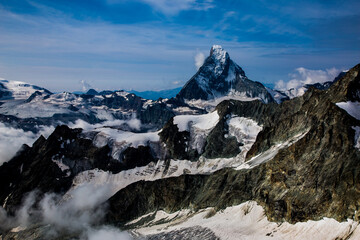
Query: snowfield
{"points": [[246, 221], [202, 122], [19, 90], [61, 103], [245, 130]]}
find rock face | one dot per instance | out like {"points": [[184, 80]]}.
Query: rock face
{"points": [[51, 164], [219, 76], [317, 176]]}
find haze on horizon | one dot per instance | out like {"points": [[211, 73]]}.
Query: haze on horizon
{"points": [[159, 44]]}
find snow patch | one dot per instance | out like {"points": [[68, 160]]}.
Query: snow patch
{"points": [[210, 105], [61, 165], [245, 130], [134, 139], [270, 153], [203, 122], [357, 137]]}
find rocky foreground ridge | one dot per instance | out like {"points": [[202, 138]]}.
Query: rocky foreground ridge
{"points": [[317, 176]]}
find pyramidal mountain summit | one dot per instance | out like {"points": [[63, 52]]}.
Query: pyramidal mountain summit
{"points": [[227, 158], [219, 76]]}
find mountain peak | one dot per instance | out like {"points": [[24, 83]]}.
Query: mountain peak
{"points": [[219, 54], [220, 77]]}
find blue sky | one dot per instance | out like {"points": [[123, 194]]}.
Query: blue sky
{"points": [[151, 44]]}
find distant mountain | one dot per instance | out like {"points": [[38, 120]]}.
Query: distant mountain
{"points": [[154, 95], [92, 92], [50, 109], [220, 77], [151, 95], [28, 107], [18, 90]]}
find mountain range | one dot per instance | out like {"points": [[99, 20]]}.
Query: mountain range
{"points": [[226, 158]]}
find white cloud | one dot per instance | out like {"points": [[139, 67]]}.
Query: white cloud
{"points": [[11, 139], [199, 60], [21, 218], [79, 213], [303, 76], [85, 85], [171, 7]]}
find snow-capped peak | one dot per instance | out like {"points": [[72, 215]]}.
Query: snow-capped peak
{"points": [[220, 57], [219, 54], [220, 77], [18, 90]]}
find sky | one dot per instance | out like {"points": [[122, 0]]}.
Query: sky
{"points": [[157, 44]]}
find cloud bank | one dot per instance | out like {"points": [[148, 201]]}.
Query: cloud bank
{"points": [[11, 139], [303, 76], [80, 214]]}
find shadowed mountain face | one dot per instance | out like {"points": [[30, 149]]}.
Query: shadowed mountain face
{"points": [[219, 76]]}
